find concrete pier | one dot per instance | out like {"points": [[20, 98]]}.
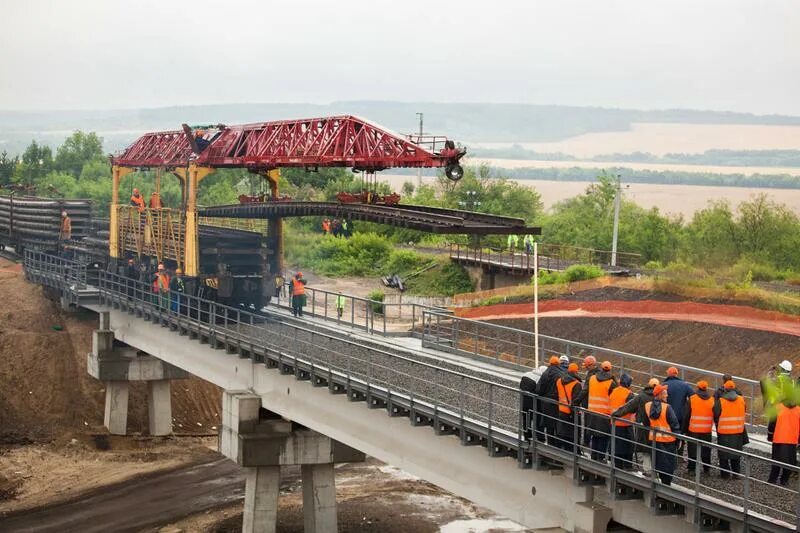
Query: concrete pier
{"points": [[262, 443], [116, 365]]}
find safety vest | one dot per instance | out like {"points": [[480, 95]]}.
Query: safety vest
{"points": [[598, 396], [163, 282], [787, 425], [659, 425], [565, 395], [702, 418], [731, 417], [618, 398], [138, 201], [298, 289], [66, 228]]}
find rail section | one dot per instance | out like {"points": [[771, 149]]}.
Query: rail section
{"points": [[507, 345], [507, 421]]}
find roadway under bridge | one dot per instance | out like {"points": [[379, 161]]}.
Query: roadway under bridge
{"points": [[422, 218], [419, 400]]}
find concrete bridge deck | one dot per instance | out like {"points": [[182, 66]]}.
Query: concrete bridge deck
{"points": [[363, 392]]}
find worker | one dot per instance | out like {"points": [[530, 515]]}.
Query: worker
{"points": [[336, 227], [729, 417], [137, 201], [548, 400], [132, 275], [678, 391], [563, 362], [624, 442], [512, 241], [339, 305], [177, 287], [698, 421], [527, 387], [595, 399], [297, 288], [721, 389], [162, 281], [279, 282], [65, 233], [528, 242], [591, 368], [636, 406], [155, 201], [568, 386], [778, 385], [345, 230], [784, 433], [326, 226], [663, 425]]}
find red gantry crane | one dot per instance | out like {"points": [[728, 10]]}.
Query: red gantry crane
{"points": [[263, 148]]}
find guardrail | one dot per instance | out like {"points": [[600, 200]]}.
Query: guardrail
{"points": [[372, 316], [58, 272], [507, 421], [551, 257], [516, 347]]}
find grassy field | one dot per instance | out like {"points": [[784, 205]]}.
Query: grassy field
{"points": [[662, 139]]}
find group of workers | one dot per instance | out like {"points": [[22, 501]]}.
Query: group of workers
{"points": [[513, 243], [138, 201], [653, 419], [337, 228], [166, 289]]}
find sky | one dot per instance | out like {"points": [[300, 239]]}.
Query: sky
{"points": [[738, 55]]}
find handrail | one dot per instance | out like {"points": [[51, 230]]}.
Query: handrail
{"points": [[496, 412]]}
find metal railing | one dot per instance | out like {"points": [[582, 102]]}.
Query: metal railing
{"points": [[507, 421], [552, 257], [57, 272], [516, 347], [372, 316]]}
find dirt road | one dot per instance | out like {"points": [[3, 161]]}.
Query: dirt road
{"points": [[140, 503]]}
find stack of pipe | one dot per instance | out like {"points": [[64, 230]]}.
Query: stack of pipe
{"points": [[31, 222]]}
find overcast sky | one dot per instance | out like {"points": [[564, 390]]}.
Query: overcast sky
{"points": [[741, 55]]}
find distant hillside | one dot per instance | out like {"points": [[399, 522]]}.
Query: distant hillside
{"points": [[463, 122]]}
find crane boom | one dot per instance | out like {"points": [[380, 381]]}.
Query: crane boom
{"points": [[340, 141]]}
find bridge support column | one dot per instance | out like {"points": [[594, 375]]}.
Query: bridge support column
{"points": [[116, 365], [261, 442]]}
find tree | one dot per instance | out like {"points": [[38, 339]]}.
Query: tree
{"points": [[37, 161], [8, 166], [77, 150]]}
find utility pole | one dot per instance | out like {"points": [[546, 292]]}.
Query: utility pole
{"points": [[419, 170], [617, 201]]}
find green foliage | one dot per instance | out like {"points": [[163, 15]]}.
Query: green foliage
{"points": [[571, 274], [77, 150], [446, 279], [7, 167], [404, 262], [376, 299]]}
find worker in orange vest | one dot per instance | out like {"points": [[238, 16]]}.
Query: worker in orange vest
{"points": [[162, 283], [66, 226], [297, 287], [729, 416], [785, 431], [623, 426], [595, 399], [137, 201], [568, 386], [698, 421], [663, 426], [155, 201]]}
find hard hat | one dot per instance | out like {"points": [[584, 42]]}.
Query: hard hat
{"points": [[573, 368], [653, 382], [702, 384], [786, 365], [589, 360], [730, 385], [553, 360], [658, 390], [178, 271], [606, 365], [672, 371], [299, 275], [161, 266], [563, 359], [64, 213], [135, 191]]}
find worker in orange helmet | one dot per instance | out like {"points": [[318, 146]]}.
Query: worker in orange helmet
{"points": [[595, 398], [137, 201], [623, 426], [568, 386], [784, 432], [663, 426], [297, 288], [729, 417], [591, 368], [162, 280], [698, 421], [548, 400]]}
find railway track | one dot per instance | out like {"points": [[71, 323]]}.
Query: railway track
{"points": [[423, 218]]}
